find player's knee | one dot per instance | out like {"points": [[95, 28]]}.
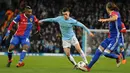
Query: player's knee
{"points": [[25, 47], [106, 52], [101, 49], [67, 54], [10, 50], [24, 50], [11, 47], [67, 51], [104, 45]]}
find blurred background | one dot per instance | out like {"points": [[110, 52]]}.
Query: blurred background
{"points": [[86, 11]]}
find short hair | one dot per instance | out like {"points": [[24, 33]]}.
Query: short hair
{"points": [[65, 9], [112, 6], [27, 8]]}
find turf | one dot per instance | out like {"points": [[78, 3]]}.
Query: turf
{"points": [[44, 64]]}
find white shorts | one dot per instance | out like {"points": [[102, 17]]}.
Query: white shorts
{"points": [[68, 43]]}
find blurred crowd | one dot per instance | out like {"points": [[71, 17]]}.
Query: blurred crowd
{"points": [[86, 11]]}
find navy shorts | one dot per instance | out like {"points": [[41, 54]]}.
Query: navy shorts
{"points": [[111, 44], [20, 40]]}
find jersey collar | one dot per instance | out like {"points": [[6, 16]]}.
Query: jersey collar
{"points": [[25, 15]]}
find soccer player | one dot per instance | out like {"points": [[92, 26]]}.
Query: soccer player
{"points": [[25, 22], [68, 36], [109, 45]]}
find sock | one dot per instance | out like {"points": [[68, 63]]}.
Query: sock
{"points": [[22, 55], [71, 59], [10, 56], [95, 58], [83, 56], [110, 55], [123, 54]]}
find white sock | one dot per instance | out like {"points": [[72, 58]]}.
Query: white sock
{"points": [[71, 59], [83, 57]]}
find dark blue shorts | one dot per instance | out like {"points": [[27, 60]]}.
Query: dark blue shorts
{"points": [[20, 40], [111, 44]]}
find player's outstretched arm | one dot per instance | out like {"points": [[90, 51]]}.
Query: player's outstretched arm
{"points": [[49, 20], [85, 28], [38, 26], [37, 23], [113, 18]]}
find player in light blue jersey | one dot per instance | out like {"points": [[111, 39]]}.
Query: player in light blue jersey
{"points": [[109, 46], [68, 36]]}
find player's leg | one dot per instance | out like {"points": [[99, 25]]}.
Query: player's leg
{"points": [[75, 42], [69, 56], [11, 47], [95, 57], [14, 41], [113, 45], [109, 51], [25, 45], [78, 48], [122, 49], [66, 46], [123, 55], [97, 54]]}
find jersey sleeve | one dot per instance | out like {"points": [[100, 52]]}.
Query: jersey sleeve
{"points": [[114, 13], [77, 23], [35, 19], [50, 20], [123, 28], [16, 19], [37, 23]]}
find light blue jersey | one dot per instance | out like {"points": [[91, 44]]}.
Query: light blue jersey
{"points": [[66, 26]]}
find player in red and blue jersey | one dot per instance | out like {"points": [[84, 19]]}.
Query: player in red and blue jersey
{"points": [[110, 45], [25, 23]]}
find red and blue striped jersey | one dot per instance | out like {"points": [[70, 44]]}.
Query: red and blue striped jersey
{"points": [[115, 26], [24, 24]]}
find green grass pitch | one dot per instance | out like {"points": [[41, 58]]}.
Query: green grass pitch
{"points": [[47, 64]]}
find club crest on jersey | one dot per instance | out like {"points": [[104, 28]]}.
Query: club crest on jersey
{"points": [[31, 19]]}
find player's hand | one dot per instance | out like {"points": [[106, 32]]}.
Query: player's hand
{"points": [[91, 34], [6, 36], [37, 32], [102, 20], [40, 22]]}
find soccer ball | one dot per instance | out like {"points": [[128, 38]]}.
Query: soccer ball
{"points": [[81, 65]]}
